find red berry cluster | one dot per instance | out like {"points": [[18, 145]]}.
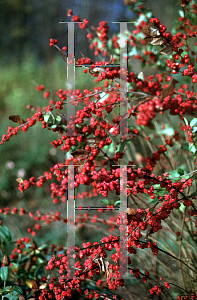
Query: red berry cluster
{"points": [[155, 291], [53, 42], [185, 2], [84, 24]]}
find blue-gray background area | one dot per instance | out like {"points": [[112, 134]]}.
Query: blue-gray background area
{"points": [[27, 25]]}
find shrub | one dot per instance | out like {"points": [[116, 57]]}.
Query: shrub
{"points": [[136, 148]]}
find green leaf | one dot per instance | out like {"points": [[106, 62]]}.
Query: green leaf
{"points": [[161, 192], [104, 201], [40, 258], [7, 288], [14, 297], [186, 121], [103, 96], [5, 233], [182, 207], [48, 118], [4, 273], [7, 296], [58, 119], [122, 146], [53, 126], [141, 76], [133, 51], [149, 15], [42, 247], [111, 148], [194, 129], [117, 203], [140, 19], [155, 200], [17, 290], [180, 171], [168, 131], [193, 122], [173, 173], [181, 13], [40, 266], [64, 127], [185, 147], [192, 148], [111, 202]]}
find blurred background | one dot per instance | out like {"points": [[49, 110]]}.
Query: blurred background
{"points": [[27, 60]]}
